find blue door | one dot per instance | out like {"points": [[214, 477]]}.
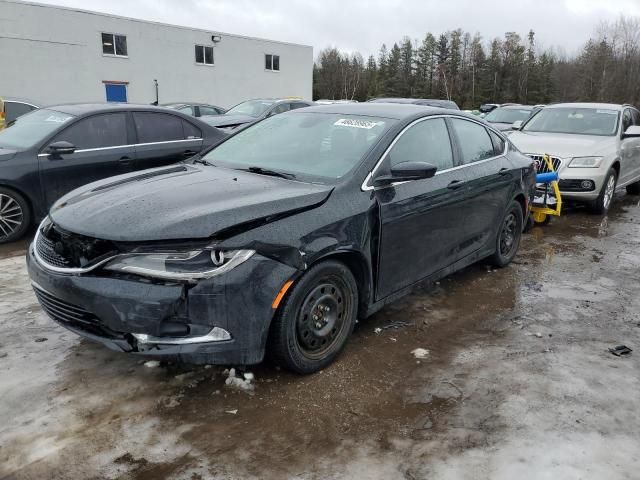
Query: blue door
{"points": [[116, 92]]}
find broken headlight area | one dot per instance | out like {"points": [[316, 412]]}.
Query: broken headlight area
{"points": [[190, 266]]}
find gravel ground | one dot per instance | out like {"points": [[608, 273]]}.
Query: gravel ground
{"points": [[516, 382]]}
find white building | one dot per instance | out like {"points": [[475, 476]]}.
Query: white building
{"points": [[59, 55]]}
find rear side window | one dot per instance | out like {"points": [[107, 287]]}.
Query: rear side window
{"points": [[426, 141], [13, 110], [190, 130], [498, 143], [283, 107], [208, 110], [98, 131], [158, 127], [474, 140]]}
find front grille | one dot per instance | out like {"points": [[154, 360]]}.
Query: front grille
{"points": [[47, 251], [61, 249], [542, 165], [71, 315]]}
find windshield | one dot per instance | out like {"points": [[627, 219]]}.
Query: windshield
{"points": [[253, 108], [308, 145], [507, 115], [580, 121], [32, 128]]}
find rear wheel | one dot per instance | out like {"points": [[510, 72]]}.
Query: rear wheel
{"points": [[15, 215], [509, 235], [634, 188], [316, 318], [603, 202]]}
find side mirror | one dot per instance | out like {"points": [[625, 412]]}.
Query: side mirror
{"points": [[516, 125], [632, 132], [61, 148], [405, 171]]}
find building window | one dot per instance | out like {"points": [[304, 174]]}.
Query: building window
{"points": [[114, 45], [272, 62], [204, 55]]}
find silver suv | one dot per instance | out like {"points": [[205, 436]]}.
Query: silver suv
{"points": [[595, 147]]}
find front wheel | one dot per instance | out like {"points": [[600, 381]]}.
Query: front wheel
{"points": [[509, 235], [316, 318], [15, 216], [603, 202]]}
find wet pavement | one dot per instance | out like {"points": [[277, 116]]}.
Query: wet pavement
{"points": [[517, 383]]}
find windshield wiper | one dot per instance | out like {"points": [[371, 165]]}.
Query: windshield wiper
{"points": [[266, 171]]}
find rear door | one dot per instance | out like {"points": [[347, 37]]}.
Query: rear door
{"points": [[103, 149], [489, 176], [163, 139], [629, 149], [422, 220]]}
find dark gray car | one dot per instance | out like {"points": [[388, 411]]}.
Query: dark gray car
{"points": [[51, 151], [251, 111]]}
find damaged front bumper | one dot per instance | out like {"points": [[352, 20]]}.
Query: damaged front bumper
{"points": [[220, 320]]}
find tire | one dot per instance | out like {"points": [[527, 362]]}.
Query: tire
{"points": [[601, 205], [509, 235], [15, 215], [306, 337], [634, 188]]}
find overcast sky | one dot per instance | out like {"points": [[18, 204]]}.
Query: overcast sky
{"points": [[363, 25]]}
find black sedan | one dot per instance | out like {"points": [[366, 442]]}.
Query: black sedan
{"points": [[252, 111], [51, 151], [280, 237]]}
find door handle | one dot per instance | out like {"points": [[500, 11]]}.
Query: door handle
{"points": [[125, 160], [455, 184], [188, 153], [504, 171]]}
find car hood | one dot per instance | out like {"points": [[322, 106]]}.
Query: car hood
{"points": [[182, 202], [226, 120], [7, 153], [562, 145]]}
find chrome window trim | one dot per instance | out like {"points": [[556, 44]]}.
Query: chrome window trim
{"points": [[99, 149], [365, 187]]}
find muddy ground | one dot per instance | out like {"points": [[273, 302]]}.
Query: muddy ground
{"points": [[518, 383]]}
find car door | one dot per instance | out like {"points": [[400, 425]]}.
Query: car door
{"points": [[103, 148], [421, 220], [163, 139], [629, 149], [489, 178]]}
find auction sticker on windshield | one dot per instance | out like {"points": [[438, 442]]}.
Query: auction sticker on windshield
{"points": [[355, 123]]}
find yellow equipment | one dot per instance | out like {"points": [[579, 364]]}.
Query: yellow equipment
{"points": [[546, 202]]}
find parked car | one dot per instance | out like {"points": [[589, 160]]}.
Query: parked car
{"points": [[595, 147], [15, 107], [51, 151], [428, 102], [503, 118], [488, 107], [195, 109], [251, 111], [277, 239]]}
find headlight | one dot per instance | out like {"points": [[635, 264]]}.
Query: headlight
{"points": [[585, 162], [189, 266]]}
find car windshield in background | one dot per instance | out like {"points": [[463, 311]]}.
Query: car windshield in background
{"points": [[580, 121], [312, 145], [253, 108], [507, 115], [31, 128]]}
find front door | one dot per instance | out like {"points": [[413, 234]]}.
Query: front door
{"points": [[629, 149], [164, 139], [421, 220], [102, 150]]}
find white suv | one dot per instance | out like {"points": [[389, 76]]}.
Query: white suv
{"points": [[595, 147]]}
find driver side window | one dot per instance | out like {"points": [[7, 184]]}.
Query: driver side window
{"points": [[427, 141]]}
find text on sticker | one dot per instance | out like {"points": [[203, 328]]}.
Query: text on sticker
{"points": [[355, 123]]}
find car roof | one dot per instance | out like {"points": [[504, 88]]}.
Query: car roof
{"points": [[84, 108], [397, 111], [608, 106], [516, 107]]}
